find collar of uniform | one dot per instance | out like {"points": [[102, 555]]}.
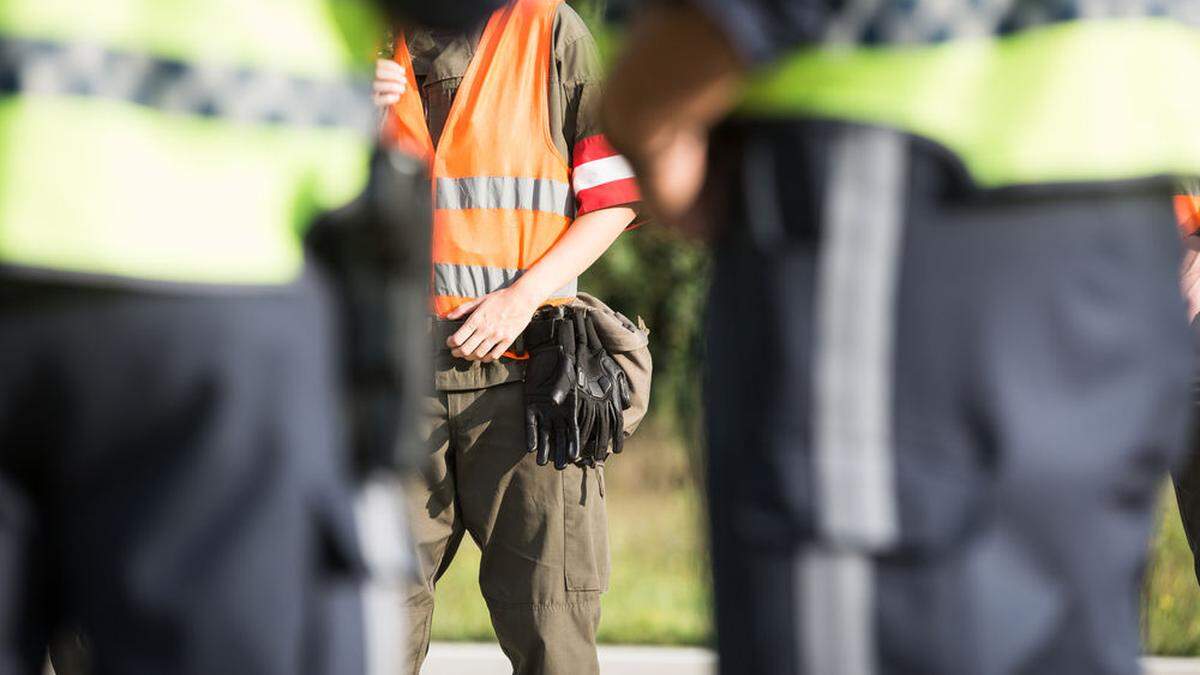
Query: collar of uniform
{"points": [[438, 56]]}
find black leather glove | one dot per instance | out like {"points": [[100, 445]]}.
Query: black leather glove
{"points": [[551, 394], [603, 395]]}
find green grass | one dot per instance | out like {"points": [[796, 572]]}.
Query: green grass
{"points": [[659, 590], [459, 613], [1171, 608]]}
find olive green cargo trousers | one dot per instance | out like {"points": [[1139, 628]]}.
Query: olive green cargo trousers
{"points": [[543, 533]]}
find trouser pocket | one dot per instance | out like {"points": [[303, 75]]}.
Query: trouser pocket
{"points": [[585, 525]]}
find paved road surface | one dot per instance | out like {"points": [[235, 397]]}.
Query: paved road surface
{"points": [[485, 659], [1172, 666], [482, 659]]}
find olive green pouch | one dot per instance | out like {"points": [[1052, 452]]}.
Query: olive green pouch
{"points": [[629, 345]]}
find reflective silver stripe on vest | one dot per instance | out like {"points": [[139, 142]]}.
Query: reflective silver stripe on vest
{"points": [[505, 192], [473, 281], [242, 95]]}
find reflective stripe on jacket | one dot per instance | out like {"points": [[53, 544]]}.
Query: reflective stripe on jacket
{"points": [[191, 142], [502, 189]]}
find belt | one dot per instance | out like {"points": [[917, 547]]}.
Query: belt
{"points": [[540, 329]]}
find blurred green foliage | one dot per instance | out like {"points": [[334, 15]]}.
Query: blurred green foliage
{"points": [[1171, 596], [596, 14], [592, 11], [653, 274], [659, 589]]}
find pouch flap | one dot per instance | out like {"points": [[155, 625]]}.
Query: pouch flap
{"points": [[616, 331]]}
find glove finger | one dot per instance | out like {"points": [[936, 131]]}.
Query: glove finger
{"points": [[601, 437], [531, 430], [598, 421], [573, 444], [587, 419], [564, 334], [560, 446], [618, 431], [609, 435], [581, 418], [592, 336], [543, 450], [581, 336], [624, 390], [595, 412]]}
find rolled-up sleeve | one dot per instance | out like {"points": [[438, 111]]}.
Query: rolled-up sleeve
{"points": [[763, 30], [601, 178]]}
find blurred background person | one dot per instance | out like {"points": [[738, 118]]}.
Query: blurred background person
{"points": [[528, 195], [172, 473], [1187, 476], [945, 332]]}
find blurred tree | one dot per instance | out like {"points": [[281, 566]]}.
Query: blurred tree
{"points": [[610, 11], [654, 274], [592, 11]]}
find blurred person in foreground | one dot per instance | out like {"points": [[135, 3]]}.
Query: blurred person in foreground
{"points": [[173, 482], [945, 333], [1187, 475], [529, 372]]}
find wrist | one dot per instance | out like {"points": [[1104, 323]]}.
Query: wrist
{"points": [[526, 295]]}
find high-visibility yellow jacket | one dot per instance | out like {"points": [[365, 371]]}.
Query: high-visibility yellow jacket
{"points": [[1084, 100], [178, 140]]}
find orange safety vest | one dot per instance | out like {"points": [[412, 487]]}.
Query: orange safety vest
{"points": [[1187, 214], [502, 190]]}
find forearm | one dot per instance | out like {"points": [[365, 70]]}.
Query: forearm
{"points": [[582, 245], [498, 318], [1189, 277], [1187, 217]]}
